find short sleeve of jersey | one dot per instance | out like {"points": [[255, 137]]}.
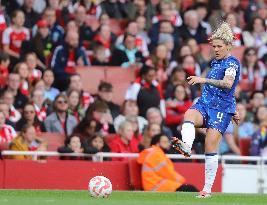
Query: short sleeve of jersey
{"points": [[231, 68], [6, 36]]}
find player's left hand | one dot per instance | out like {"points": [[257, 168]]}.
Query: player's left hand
{"points": [[195, 80], [236, 118]]}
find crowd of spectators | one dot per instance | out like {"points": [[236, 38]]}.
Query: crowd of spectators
{"points": [[43, 42]]}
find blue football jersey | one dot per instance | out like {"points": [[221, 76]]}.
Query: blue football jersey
{"points": [[221, 98]]}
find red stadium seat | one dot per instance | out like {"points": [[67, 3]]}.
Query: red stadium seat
{"points": [[120, 78], [4, 146], [244, 145], [186, 4], [117, 26], [135, 175], [91, 77], [54, 140]]}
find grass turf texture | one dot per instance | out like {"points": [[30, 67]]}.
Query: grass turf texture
{"points": [[28, 197]]}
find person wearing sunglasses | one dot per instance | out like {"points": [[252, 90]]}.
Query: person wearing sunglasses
{"points": [[59, 120]]}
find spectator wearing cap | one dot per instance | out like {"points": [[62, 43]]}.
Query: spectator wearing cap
{"points": [[127, 54], [41, 44], [66, 58], [31, 16], [192, 28], [56, 32], [105, 93]]}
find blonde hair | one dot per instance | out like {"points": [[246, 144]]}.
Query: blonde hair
{"points": [[223, 32]]}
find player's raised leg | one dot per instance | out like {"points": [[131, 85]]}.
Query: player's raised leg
{"points": [[192, 118], [211, 160]]}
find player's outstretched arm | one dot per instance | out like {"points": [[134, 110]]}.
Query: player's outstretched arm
{"points": [[226, 82]]}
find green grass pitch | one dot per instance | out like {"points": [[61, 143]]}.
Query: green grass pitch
{"points": [[47, 197]]}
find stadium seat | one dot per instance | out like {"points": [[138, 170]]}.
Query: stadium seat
{"points": [[186, 4], [238, 52], [54, 140], [244, 145], [4, 146], [117, 26], [135, 175], [120, 79], [93, 23], [91, 77]]}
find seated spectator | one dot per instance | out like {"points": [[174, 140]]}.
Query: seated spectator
{"points": [[231, 19], [168, 12], [15, 31], [130, 108], [76, 84], [105, 38], [85, 31], [140, 42], [27, 141], [42, 106], [122, 143], [50, 92], [99, 112], [137, 136], [96, 144], [87, 128], [72, 145], [151, 130], [146, 91], [153, 115], [31, 16], [141, 22], [127, 54], [13, 114], [115, 9], [260, 115], [13, 84], [4, 63], [177, 77], [258, 146], [59, 120], [105, 93], [158, 173], [34, 73], [256, 101], [203, 11], [167, 40], [23, 70], [5, 109], [255, 35], [176, 107], [66, 58], [196, 52], [56, 32], [7, 133], [253, 70], [218, 16], [40, 44], [99, 56], [159, 60], [192, 28], [75, 107], [29, 118]]}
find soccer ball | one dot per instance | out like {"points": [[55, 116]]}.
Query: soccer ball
{"points": [[100, 186]]}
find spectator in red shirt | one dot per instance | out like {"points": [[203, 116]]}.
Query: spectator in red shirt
{"points": [[14, 35], [122, 142], [176, 107]]}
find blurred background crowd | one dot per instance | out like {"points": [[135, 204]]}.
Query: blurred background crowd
{"points": [[43, 42]]}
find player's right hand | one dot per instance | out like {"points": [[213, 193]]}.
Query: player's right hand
{"points": [[236, 118]]}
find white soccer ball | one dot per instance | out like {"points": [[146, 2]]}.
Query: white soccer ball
{"points": [[100, 186]]}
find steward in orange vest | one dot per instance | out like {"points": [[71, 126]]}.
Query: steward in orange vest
{"points": [[158, 173]]}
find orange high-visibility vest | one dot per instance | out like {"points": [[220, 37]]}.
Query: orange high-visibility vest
{"points": [[158, 173]]}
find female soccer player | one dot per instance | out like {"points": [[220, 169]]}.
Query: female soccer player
{"points": [[216, 106]]}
